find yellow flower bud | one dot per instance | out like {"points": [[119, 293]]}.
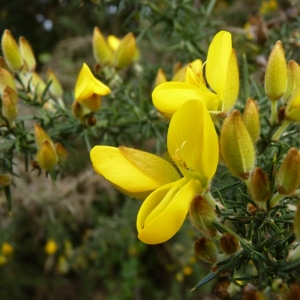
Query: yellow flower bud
{"points": [[229, 243], [3, 260], [9, 104], [259, 186], [61, 153], [27, 54], [206, 250], [3, 64], [160, 77], [51, 247], [37, 84], [293, 78], [40, 136], [102, 52], [202, 216], [292, 110], [125, 52], [297, 223], [11, 51], [7, 249], [46, 156], [236, 146], [251, 119], [276, 73], [288, 177], [77, 110], [62, 265], [6, 79], [55, 88]]}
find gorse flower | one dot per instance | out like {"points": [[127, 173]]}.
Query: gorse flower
{"points": [[222, 77], [193, 145]]}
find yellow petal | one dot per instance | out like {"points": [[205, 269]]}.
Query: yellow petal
{"points": [[125, 52], [113, 42], [169, 96], [192, 138], [218, 56], [87, 85], [165, 221], [27, 54], [132, 170], [102, 52]]}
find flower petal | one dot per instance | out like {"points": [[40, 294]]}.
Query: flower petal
{"points": [[192, 137], [218, 56], [169, 96], [132, 170], [168, 219]]}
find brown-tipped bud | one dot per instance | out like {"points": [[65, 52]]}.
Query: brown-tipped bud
{"points": [[160, 77], [91, 120], [77, 110], [229, 243], [292, 110], [61, 152], [297, 223], [41, 135], [6, 79], [125, 52], [237, 146], [254, 295], [11, 51], [202, 215], [3, 64], [92, 103], [276, 73], [5, 179], [55, 88], [101, 50], [27, 54], [294, 293], [251, 119], [259, 186], [293, 78], [46, 156], [281, 114], [206, 250], [226, 289], [9, 104], [38, 85], [288, 177]]}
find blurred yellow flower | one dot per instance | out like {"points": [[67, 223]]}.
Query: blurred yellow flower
{"points": [[7, 249], [51, 247]]}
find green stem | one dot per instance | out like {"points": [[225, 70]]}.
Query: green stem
{"points": [[280, 130], [276, 198], [273, 112], [210, 199]]}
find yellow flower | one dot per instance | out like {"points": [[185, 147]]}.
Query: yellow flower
{"points": [[193, 145], [51, 247], [7, 249], [221, 72], [87, 85]]}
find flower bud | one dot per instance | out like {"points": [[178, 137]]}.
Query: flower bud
{"points": [[236, 146], [102, 52], [27, 54], [288, 177], [61, 152], [55, 88], [3, 64], [251, 119], [297, 223], [292, 110], [160, 78], [7, 249], [125, 52], [9, 104], [92, 103], [91, 120], [206, 250], [259, 187], [77, 110], [51, 247], [6, 79], [226, 289], [202, 215], [276, 73], [229, 243], [46, 156], [113, 42], [37, 84], [5, 179], [293, 78], [11, 51], [41, 135]]}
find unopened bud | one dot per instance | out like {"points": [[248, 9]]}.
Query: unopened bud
{"points": [[11, 51], [160, 78], [288, 177], [55, 88], [251, 119], [202, 215], [5, 180], [9, 104], [46, 156], [61, 153], [6, 79], [92, 103], [125, 52], [41, 135], [237, 146], [276, 73], [27, 54], [38, 85], [293, 78], [259, 186], [292, 110], [102, 52], [206, 250], [229, 243], [91, 120], [77, 110]]}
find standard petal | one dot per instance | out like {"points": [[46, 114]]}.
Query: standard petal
{"points": [[168, 219], [132, 175], [218, 56], [169, 96], [192, 139]]}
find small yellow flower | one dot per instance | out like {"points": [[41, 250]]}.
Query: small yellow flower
{"points": [[7, 249], [27, 54], [51, 247]]}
